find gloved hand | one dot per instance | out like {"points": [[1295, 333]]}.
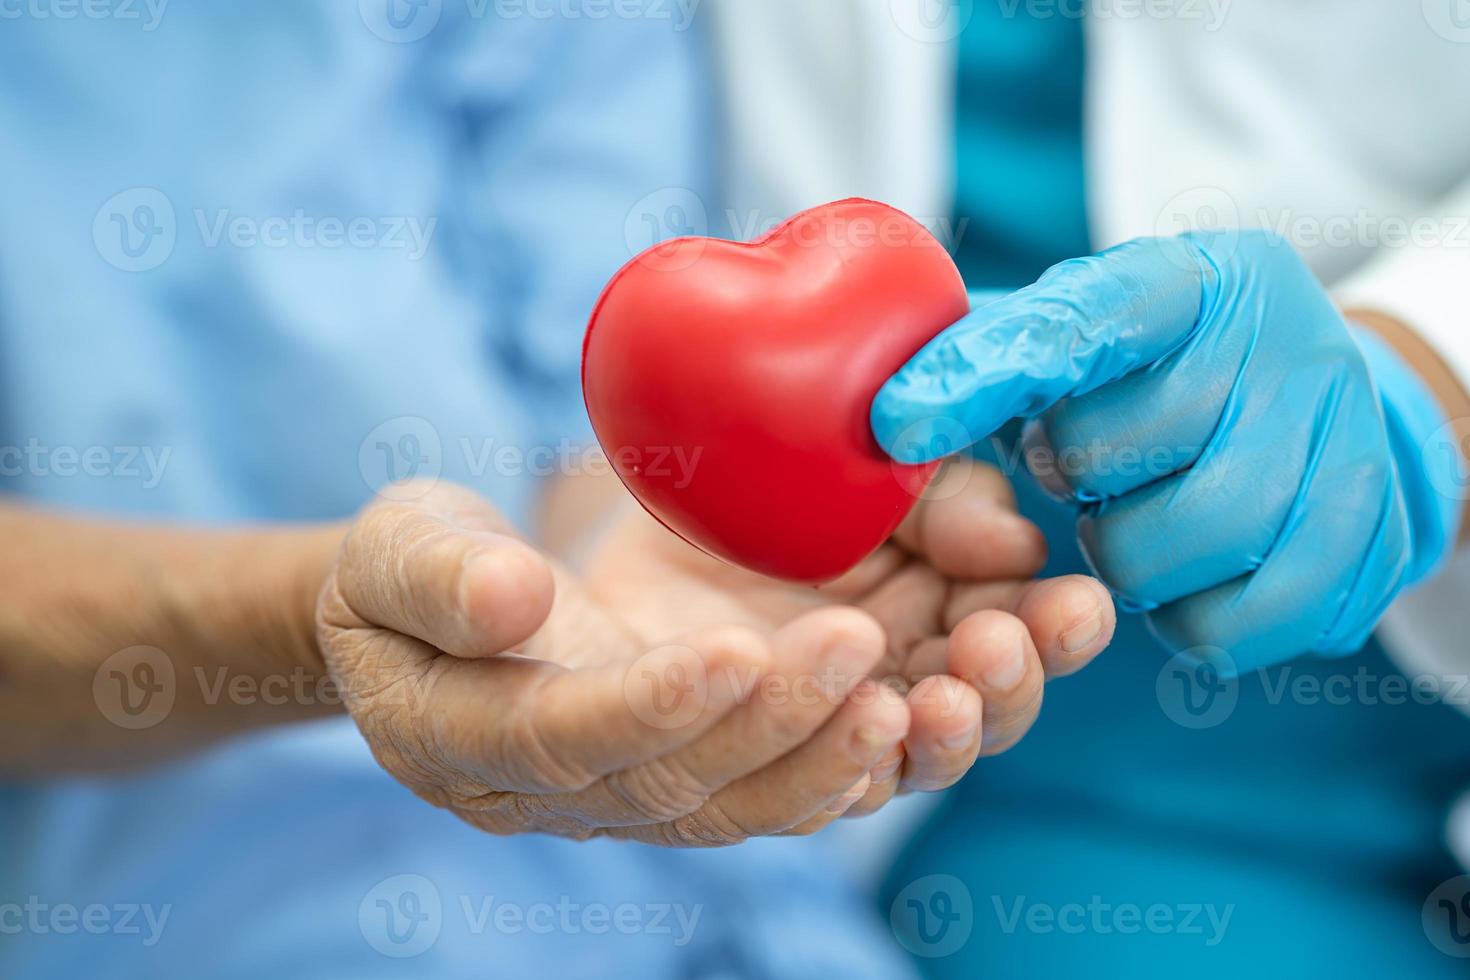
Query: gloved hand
{"points": [[1250, 469]]}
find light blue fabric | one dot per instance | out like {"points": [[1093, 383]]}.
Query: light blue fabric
{"points": [[1206, 404], [140, 314]]}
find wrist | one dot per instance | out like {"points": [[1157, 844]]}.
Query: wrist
{"points": [[253, 595], [238, 619]]}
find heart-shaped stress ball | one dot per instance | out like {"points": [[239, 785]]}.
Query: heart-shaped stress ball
{"points": [[730, 383]]}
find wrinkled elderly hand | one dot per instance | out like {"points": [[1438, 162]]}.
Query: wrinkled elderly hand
{"points": [[488, 682]]}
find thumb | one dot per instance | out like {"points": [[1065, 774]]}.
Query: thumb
{"points": [[1084, 323], [446, 569]]}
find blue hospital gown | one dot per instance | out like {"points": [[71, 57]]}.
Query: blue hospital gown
{"points": [[186, 333]]}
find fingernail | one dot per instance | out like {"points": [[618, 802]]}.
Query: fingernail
{"points": [[1008, 672], [1084, 635], [962, 740], [846, 800]]}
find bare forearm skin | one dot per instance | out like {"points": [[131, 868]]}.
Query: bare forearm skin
{"points": [[228, 616]]}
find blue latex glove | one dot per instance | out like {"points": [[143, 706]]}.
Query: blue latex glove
{"points": [[1251, 471]]}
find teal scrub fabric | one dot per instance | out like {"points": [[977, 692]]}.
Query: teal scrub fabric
{"points": [[1158, 821], [1018, 145]]}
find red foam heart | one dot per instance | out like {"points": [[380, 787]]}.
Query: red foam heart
{"points": [[730, 383]]}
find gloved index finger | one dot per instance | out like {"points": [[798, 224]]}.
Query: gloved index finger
{"points": [[1084, 323]]}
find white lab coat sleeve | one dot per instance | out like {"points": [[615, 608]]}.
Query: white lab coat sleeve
{"points": [[1422, 277]]}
